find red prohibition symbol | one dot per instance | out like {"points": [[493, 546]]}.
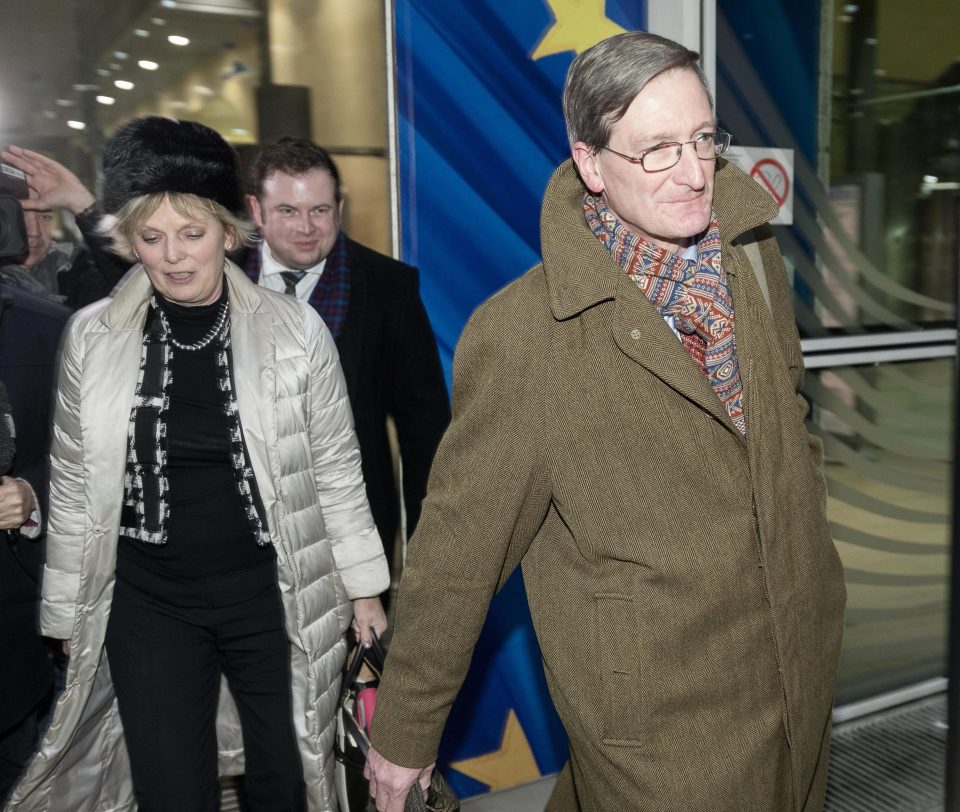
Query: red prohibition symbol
{"points": [[773, 176]]}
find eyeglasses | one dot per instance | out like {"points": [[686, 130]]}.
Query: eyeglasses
{"points": [[663, 156]]}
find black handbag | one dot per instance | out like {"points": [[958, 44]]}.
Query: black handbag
{"points": [[352, 744]]}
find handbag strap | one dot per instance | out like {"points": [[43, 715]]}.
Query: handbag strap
{"points": [[374, 656]]}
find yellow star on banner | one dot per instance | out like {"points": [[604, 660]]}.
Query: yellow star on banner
{"points": [[511, 764], [577, 24]]}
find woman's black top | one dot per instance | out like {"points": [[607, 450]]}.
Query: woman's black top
{"points": [[208, 532]]}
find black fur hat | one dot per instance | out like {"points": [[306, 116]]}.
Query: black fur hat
{"points": [[154, 154]]}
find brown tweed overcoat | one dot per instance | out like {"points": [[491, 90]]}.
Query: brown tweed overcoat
{"points": [[685, 591]]}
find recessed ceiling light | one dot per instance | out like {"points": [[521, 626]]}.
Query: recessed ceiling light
{"points": [[168, 3], [65, 102], [158, 21], [106, 99], [102, 72], [146, 64], [49, 114], [114, 66], [121, 54], [76, 125], [176, 39], [123, 84], [141, 32]]}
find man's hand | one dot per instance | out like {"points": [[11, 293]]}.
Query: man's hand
{"points": [[16, 503], [52, 185], [368, 614], [390, 784]]}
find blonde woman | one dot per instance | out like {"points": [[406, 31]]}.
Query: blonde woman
{"points": [[208, 517]]}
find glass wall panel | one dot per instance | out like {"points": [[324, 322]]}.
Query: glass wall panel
{"points": [[886, 431], [866, 95]]}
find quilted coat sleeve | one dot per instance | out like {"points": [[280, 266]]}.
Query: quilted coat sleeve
{"points": [[61, 572], [357, 549]]}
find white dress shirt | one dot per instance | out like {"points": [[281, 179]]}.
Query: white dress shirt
{"points": [[271, 279]]}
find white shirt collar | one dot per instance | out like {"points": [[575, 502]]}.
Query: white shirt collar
{"points": [[269, 265]]}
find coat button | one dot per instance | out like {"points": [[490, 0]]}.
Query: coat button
{"points": [[98, 530], [635, 334]]}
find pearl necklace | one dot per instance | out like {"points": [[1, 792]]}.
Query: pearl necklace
{"points": [[203, 342]]}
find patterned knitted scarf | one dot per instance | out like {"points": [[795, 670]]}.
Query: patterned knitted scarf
{"points": [[695, 293], [145, 513]]}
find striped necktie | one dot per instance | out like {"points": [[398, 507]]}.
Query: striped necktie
{"points": [[290, 280]]}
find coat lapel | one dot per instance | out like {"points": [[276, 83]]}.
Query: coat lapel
{"points": [[350, 340], [253, 345], [580, 274], [642, 334]]}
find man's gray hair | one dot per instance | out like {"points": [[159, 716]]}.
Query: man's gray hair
{"points": [[605, 79]]}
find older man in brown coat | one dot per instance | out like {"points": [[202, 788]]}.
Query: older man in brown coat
{"points": [[628, 427]]}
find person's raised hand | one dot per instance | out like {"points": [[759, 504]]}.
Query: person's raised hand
{"points": [[52, 185]]}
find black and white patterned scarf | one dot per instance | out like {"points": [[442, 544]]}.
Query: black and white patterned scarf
{"points": [[145, 513]]}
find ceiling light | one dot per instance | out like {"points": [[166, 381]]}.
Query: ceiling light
{"points": [[114, 66], [102, 72], [168, 3], [931, 179], [76, 125], [851, 8], [176, 39], [85, 88], [141, 32], [106, 99], [65, 102], [123, 84], [158, 21], [146, 64], [121, 55]]}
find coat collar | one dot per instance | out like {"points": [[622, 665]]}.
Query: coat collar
{"points": [[580, 271], [128, 309]]}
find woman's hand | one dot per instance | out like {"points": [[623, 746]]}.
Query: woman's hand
{"points": [[368, 614]]}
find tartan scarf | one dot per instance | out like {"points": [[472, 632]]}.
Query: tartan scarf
{"points": [[331, 295], [145, 513], [693, 292]]}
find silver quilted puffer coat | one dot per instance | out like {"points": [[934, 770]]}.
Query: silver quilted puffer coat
{"points": [[298, 429]]}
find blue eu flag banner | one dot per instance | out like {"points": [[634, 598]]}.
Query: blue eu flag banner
{"points": [[480, 130]]}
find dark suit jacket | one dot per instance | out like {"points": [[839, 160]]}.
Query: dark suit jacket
{"points": [[30, 329], [392, 367]]}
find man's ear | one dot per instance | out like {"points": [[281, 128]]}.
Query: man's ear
{"points": [[255, 212], [588, 165]]}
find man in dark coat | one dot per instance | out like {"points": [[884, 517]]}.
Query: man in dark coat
{"points": [[30, 329], [371, 304]]}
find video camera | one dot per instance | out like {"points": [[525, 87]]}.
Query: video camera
{"points": [[13, 230]]}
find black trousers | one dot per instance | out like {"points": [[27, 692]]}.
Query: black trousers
{"points": [[167, 644]]}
